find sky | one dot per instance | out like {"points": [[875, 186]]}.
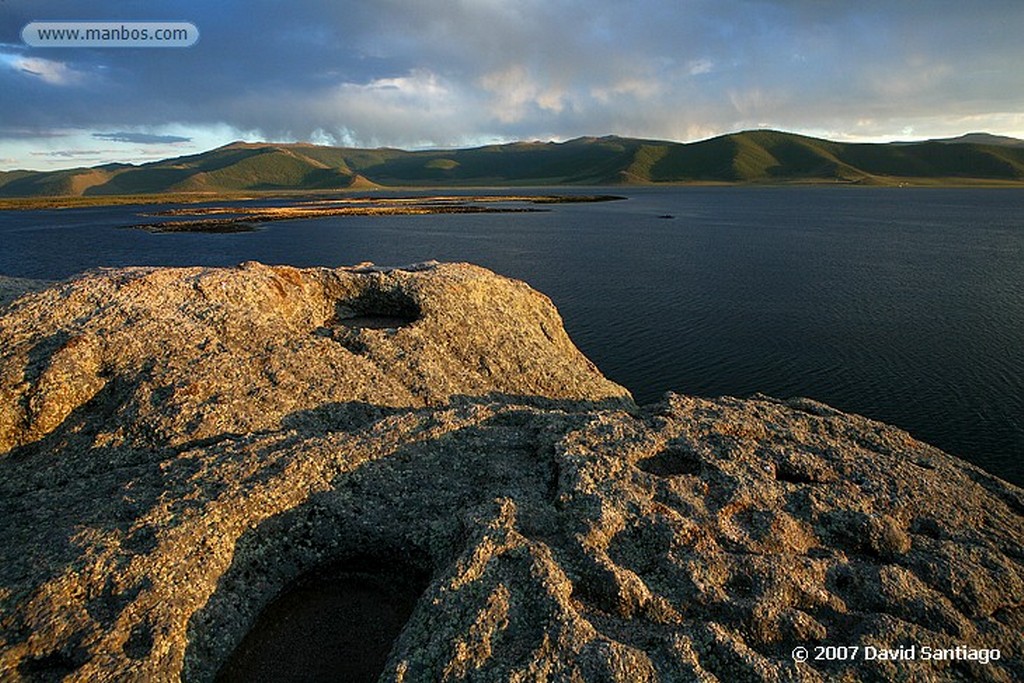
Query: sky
{"points": [[454, 73]]}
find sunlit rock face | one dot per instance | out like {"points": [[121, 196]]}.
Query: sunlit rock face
{"points": [[177, 355], [203, 465]]}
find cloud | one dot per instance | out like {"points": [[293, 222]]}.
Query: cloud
{"points": [[696, 67], [513, 93], [140, 138], [451, 72], [46, 70], [71, 153], [639, 88], [30, 133]]}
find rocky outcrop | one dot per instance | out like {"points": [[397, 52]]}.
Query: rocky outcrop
{"points": [[416, 469], [176, 355]]}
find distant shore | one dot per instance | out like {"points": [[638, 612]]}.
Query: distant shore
{"points": [[78, 201], [246, 219]]}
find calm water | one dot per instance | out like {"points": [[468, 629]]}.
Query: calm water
{"points": [[906, 305]]}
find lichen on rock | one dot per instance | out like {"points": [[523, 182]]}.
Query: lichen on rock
{"points": [[180, 448]]}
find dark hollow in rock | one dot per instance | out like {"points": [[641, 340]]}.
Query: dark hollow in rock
{"points": [[792, 474], [671, 462], [333, 624], [377, 310], [52, 667], [140, 642]]}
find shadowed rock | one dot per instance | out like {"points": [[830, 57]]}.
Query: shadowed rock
{"points": [[13, 287], [199, 462]]}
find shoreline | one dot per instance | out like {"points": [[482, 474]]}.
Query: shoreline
{"points": [[78, 201], [246, 219]]}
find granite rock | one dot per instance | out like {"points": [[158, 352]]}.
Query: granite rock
{"points": [[181, 446], [176, 355]]}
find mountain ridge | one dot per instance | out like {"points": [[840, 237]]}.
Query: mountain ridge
{"points": [[978, 137], [757, 156]]}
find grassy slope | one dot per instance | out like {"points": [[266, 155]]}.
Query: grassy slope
{"points": [[761, 156]]}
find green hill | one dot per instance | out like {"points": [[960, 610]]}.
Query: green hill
{"points": [[761, 156]]}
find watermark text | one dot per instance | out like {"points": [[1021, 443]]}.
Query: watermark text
{"points": [[110, 34]]}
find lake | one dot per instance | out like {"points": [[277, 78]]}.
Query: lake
{"points": [[902, 304]]}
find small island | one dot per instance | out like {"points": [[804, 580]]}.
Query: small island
{"points": [[246, 218]]}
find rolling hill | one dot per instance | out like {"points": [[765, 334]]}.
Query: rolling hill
{"points": [[761, 156]]}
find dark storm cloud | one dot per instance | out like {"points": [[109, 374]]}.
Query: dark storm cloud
{"points": [[446, 72]]}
